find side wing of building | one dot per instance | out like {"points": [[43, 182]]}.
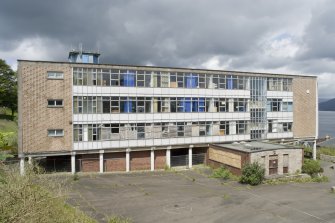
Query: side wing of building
{"points": [[45, 107]]}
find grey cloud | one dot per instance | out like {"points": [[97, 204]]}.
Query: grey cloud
{"points": [[175, 33]]}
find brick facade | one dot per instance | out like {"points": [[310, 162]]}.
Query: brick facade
{"points": [[35, 118], [140, 160], [304, 106], [160, 159], [115, 162]]}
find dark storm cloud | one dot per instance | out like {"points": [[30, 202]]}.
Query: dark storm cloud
{"points": [[282, 36], [157, 32]]}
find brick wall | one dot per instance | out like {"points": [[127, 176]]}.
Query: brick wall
{"points": [[140, 160], [160, 159], [89, 163], [304, 107], [115, 162], [35, 118]]}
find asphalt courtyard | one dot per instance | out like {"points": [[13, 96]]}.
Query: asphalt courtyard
{"points": [[191, 196]]}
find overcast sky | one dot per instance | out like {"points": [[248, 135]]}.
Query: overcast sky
{"points": [[287, 36]]}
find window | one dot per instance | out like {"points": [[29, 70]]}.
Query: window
{"points": [[287, 127], [140, 78], [55, 75], [55, 132], [287, 106], [202, 81], [223, 105], [55, 103], [241, 127], [224, 128], [115, 80], [274, 105], [240, 105]]}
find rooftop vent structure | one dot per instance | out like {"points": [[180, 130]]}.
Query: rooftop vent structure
{"points": [[81, 56]]}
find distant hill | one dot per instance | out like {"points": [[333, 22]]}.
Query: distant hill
{"points": [[327, 105], [324, 99]]}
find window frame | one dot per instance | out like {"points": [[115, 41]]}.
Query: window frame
{"points": [[56, 132], [55, 73], [55, 103]]}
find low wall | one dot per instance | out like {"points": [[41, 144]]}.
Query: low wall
{"points": [[327, 158]]}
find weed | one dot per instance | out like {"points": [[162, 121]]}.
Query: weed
{"points": [[119, 219]]}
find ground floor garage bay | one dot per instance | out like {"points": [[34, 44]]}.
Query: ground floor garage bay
{"points": [[277, 159]]}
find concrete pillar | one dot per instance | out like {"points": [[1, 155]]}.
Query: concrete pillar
{"points": [[168, 156], [128, 160], [101, 161], [22, 166], [152, 159], [30, 160], [314, 150], [73, 163], [190, 156]]}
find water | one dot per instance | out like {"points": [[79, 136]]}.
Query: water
{"points": [[326, 123]]}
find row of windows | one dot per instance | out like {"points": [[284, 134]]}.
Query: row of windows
{"points": [[277, 105], [140, 78], [96, 132], [97, 104], [279, 127]]}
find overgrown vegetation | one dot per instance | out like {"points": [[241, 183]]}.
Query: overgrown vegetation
{"points": [[297, 179], [34, 198], [312, 167], [222, 173], [252, 174], [321, 150]]}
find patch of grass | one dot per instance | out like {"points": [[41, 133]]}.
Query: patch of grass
{"points": [[119, 219], [35, 197], [8, 126], [297, 179], [222, 173], [326, 151]]}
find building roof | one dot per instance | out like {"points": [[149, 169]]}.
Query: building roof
{"points": [[328, 143], [175, 68], [254, 146]]}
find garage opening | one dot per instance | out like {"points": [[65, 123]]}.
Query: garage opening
{"points": [[179, 157]]}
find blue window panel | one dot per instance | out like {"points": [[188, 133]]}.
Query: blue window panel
{"points": [[129, 79], [95, 59], [195, 107], [201, 104], [128, 106], [187, 105], [191, 81], [85, 58], [230, 82]]}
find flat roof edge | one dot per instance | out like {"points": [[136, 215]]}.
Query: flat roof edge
{"points": [[178, 68]]}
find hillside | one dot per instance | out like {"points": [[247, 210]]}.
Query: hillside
{"points": [[327, 105]]}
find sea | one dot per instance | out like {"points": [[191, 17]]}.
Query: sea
{"points": [[326, 123]]}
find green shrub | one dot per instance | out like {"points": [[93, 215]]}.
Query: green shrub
{"points": [[252, 174], [311, 167], [222, 173]]}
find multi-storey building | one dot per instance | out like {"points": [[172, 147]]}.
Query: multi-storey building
{"points": [[106, 117]]}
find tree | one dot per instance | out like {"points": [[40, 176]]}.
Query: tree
{"points": [[8, 87]]}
